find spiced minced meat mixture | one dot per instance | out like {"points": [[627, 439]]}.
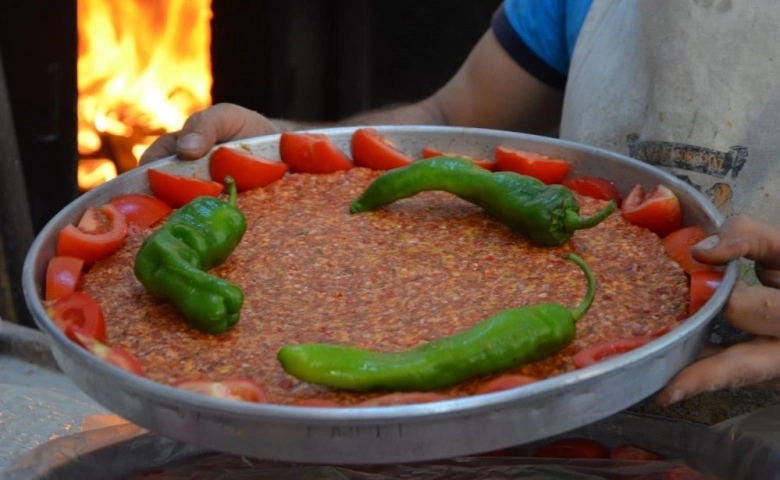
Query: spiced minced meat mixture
{"points": [[392, 279]]}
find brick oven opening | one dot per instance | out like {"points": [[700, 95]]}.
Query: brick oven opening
{"points": [[142, 68]]}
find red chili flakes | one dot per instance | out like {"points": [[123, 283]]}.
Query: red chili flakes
{"points": [[424, 267]]}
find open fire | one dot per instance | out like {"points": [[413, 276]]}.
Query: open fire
{"points": [[143, 67]]}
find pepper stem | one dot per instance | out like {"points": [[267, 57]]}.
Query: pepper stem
{"points": [[572, 221], [583, 307], [232, 192]]}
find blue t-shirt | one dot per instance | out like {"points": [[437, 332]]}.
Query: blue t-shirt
{"points": [[540, 35]]}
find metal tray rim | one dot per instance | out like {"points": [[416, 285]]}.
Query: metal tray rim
{"points": [[475, 405]]}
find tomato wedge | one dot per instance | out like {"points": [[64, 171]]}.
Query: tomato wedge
{"points": [[374, 151], [115, 356], [678, 246], [63, 275], [242, 389], [312, 153], [481, 162], [141, 210], [248, 170], [597, 352], [703, 286], [572, 448], [99, 233], [505, 382], [593, 187], [548, 170], [658, 210], [80, 310], [403, 398], [631, 452], [178, 190]]}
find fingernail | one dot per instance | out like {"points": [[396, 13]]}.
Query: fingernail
{"points": [[710, 242], [667, 399], [190, 142]]}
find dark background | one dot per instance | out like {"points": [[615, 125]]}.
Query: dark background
{"points": [[301, 59]]}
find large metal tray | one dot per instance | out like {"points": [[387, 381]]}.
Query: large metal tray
{"points": [[398, 433]]}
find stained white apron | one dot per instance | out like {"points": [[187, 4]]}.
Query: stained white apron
{"points": [[692, 86]]}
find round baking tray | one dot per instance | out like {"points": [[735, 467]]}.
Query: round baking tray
{"points": [[392, 434]]}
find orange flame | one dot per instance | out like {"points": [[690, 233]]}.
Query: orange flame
{"points": [[143, 67], [94, 171]]}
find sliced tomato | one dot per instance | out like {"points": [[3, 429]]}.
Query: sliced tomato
{"points": [[703, 286], [243, 389], [631, 452], [593, 187], [403, 398], [375, 151], [572, 448], [116, 356], [141, 210], [506, 382], [658, 210], [248, 170], [63, 275], [80, 310], [312, 153], [678, 246], [99, 233], [481, 162], [316, 402], [601, 351], [532, 164], [179, 190]]}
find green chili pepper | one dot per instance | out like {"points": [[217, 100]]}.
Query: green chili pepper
{"points": [[511, 338], [547, 215], [172, 262]]}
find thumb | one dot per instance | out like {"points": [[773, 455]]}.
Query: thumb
{"points": [[219, 123], [741, 236], [748, 363]]}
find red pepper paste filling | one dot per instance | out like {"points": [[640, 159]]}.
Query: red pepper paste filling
{"points": [[424, 267]]}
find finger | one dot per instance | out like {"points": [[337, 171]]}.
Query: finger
{"points": [[767, 276], [743, 237], [754, 309], [709, 350], [219, 123], [748, 363], [164, 146]]}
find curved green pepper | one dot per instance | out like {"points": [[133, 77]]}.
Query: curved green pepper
{"points": [[511, 338], [172, 261], [547, 215]]}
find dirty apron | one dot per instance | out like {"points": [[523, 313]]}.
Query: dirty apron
{"points": [[691, 86]]}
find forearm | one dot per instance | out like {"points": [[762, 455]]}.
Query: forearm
{"points": [[490, 90], [225, 122], [420, 113]]}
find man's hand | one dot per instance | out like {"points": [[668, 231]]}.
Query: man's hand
{"points": [[219, 123], [754, 309]]}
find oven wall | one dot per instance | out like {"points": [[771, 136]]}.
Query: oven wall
{"points": [[38, 52], [38, 48]]}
